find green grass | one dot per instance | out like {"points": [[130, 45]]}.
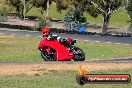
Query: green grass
{"points": [[24, 49], [19, 49], [57, 79], [34, 12], [118, 19], [103, 50], [53, 13]]}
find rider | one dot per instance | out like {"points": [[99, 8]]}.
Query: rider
{"points": [[48, 36]]}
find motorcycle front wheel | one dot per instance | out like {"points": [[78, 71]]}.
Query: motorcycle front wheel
{"points": [[48, 56], [79, 55]]}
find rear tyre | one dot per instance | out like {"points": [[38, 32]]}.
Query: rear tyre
{"points": [[79, 54], [51, 56]]}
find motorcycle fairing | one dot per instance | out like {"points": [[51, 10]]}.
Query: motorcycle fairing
{"points": [[62, 51]]}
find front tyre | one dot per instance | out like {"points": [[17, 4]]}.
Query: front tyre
{"points": [[49, 55], [79, 55]]}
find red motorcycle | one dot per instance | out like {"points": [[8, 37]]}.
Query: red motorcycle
{"points": [[62, 50], [53, 50]]}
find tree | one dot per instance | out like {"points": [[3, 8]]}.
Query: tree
{"points": [[42, 4], [19, 6], [15, 4], [86, 6], [103, 7], [129, 9], [64, 4], [106, 8]]}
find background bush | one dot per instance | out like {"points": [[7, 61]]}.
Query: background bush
{"points": [[41, 23], [73, 20], [3, 13]]}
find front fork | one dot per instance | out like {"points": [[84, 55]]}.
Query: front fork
{"points": [[72, 49]]}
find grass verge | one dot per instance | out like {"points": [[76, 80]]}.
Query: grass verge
{"points": [[103, 50], [58, 79], [24, 49]]}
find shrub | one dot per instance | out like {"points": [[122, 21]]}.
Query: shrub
{"points": [[73, 20], [41, 23], [3, 18], [3, 14]]}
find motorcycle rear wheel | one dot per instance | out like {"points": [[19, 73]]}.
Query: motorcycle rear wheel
{"points": [[80, 56], [48, 57]]}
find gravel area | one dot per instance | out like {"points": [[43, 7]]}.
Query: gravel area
{"points": [[40, 68]]}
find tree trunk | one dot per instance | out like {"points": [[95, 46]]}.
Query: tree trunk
{"points": [[105, 24], [18, 11], [22, 13], [42, 12]]}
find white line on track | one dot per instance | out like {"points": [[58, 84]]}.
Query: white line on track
{"points": [[39, 36], [108, 42], [12, 34], [86, 40], [127, 44], [1, 33], [97, 41], [117, 43], [33, 31], [76, 39], [27, 35]]}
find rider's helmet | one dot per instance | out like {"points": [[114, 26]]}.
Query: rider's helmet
{"points": [[69, 39], [45, 31]]}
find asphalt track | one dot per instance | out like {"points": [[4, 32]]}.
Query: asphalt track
{"points": [[107, 39], [96, 38], [124, 60]]}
